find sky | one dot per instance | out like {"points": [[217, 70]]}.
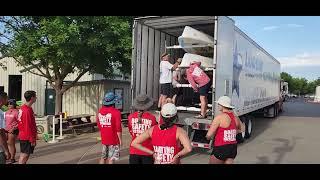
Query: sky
{"points": [[293, 40]]}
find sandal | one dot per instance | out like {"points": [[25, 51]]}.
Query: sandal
{"points": [[200, 116]]}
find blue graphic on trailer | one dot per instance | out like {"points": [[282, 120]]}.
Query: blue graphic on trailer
{"points": [[237, 68]]}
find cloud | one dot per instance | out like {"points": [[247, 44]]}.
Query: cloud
{"points": [[270, 28], [295, 25], [301, 60]]}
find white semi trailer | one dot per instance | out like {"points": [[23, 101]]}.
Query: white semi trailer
{"points": [[242, 70]]}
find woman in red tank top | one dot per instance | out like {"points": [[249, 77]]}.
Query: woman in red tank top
{"points": [[224, 128], [165, 138]]}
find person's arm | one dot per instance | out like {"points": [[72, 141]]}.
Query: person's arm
{"points": [[191, 81], [98, 121], [184, 140], [213, 127], [238, 122], [130, 124], [137, 142], [119, 127], [176, 65], [175, 76], [16, 116]]}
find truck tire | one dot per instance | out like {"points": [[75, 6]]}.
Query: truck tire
{"points": [[243, 120], [248, 127], [276, 109]]}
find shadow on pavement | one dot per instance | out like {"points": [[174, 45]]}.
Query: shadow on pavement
{"points": [[286, 147]]}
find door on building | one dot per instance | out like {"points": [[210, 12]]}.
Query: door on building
{"points": [[15, 87], [50, 101]]}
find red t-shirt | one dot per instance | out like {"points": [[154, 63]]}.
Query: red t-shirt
{"points": [[27, 124], [109, 123], [147, 121]]}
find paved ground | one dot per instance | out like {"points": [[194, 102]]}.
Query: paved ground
{"points": [[291, 138]]}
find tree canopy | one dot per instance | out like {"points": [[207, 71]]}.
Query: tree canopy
{"points": [[300, 85], [55, 46]]}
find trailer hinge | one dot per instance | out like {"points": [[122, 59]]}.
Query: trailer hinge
{"points": [[215, 42]]}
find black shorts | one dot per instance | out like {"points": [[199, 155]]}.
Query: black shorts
{"points": [[25, 147], [177, 91], [140, 159], [166, 89], [15, 132], [225, 152], [204, 90]]}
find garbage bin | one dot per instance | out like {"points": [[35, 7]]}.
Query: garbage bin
{"points": [[42, 124]]}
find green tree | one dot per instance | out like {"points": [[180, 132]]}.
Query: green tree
{"points": [[56, 46], [287, 78]]}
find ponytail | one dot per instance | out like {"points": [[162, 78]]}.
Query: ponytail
{"points": [[168, 122], [140, 113]]}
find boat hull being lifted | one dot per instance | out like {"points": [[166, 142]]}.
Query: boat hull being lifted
{"points": [[192, 37], [189, 58]]}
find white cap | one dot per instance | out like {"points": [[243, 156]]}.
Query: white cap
{"points": [[225, 101], [168, 110]]}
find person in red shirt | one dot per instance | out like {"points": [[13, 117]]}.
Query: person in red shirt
{"points": [[109, 123], [224, 127], [166, 139], [138, 122], [27, 127], [11, 117]]}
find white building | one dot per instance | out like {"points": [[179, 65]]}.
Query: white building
{"points": [[317, 95], [16, 83]]}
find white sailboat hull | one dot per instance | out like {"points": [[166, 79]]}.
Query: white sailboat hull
{"points": [[191, 36], [189, 58]]}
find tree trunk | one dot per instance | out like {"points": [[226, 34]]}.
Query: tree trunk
{"points": [[59, 94], [58, 103]]}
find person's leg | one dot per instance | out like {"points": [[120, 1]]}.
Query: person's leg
{"points": [[134, 159], [174, 99], [164, 99], [26, 150], [12, 145], [104, 154], [102, 161], [214, 160], [147, 160], [110, 161], [160, 101], [23, 158], [167, 91], [203, 105], [161, 96], [229, 161], [113, 154]]}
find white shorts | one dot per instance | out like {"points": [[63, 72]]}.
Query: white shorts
{"points": [[110, 152]]}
